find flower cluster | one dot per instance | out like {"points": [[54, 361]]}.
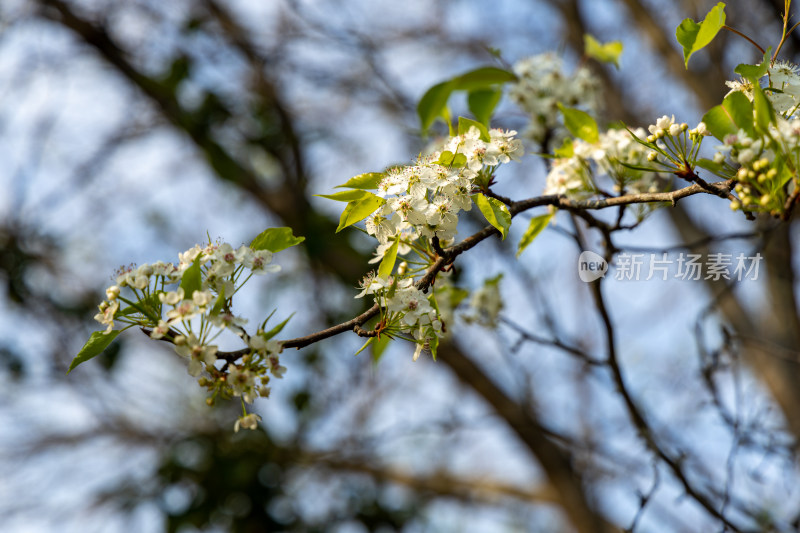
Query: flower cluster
{"points": [[782, 88], [422, 201], [194, 313], [768, 161], [617, 154], [543, 85]]}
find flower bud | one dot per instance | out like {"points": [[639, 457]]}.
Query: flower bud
{"points": [[735, 205], [112, 292]]}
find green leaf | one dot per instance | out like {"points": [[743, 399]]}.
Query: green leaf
{"points": [[464, 125], [693, 36], [360, 209], [481, 103], [449, 159], [765, 114], [607, 53], [755, 72], [219, 304], [98, 342], [192, 279], [482, 78], [389, 258], [364, 347], [275, 240], [735, 112], [150, 303], [495, 211], [277, 329], [345, 196], [580, 124], [433, 344], [433, 103], [379, 347], [370, 180], [565, 150], [711, 166], [534, 229]]}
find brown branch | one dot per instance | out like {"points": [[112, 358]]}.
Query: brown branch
{"points": [[448, 255], [557, 463], [643, 428]]}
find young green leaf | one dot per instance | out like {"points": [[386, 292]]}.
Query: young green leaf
{"points": [[370, 180], [97, 342], [565, 150], [275, 240], [495, 211], [755, 72], [150, 305], [360, 209], [605, 52], [580, 124], [219, 303], [192, 279], [735, 112], [711, 166], [389, 258], [379, 347], [277, 329], [483, 77], [693, 36], [765, 114], [464, 125], [481, 103], [449, 159], [433, 103], [345, 196], [534, 229], [364, 347], [433, 344]]}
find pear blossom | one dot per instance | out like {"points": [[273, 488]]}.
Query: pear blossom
{"points": [[247, 422]]}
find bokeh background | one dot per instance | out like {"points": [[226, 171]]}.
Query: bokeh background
{"points": [[129, 131]]}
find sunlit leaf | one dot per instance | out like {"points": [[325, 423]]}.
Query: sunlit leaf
{"points": [[580, 124], [389, 258], [192, 279], [277, 329], [481, 103], [345, 196], [694, 36], [360, 209], [536, 226], [275, 240], [735, 112], [605, 52], [370, 180], [464, 125], [97, 342], [495, 211]]}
